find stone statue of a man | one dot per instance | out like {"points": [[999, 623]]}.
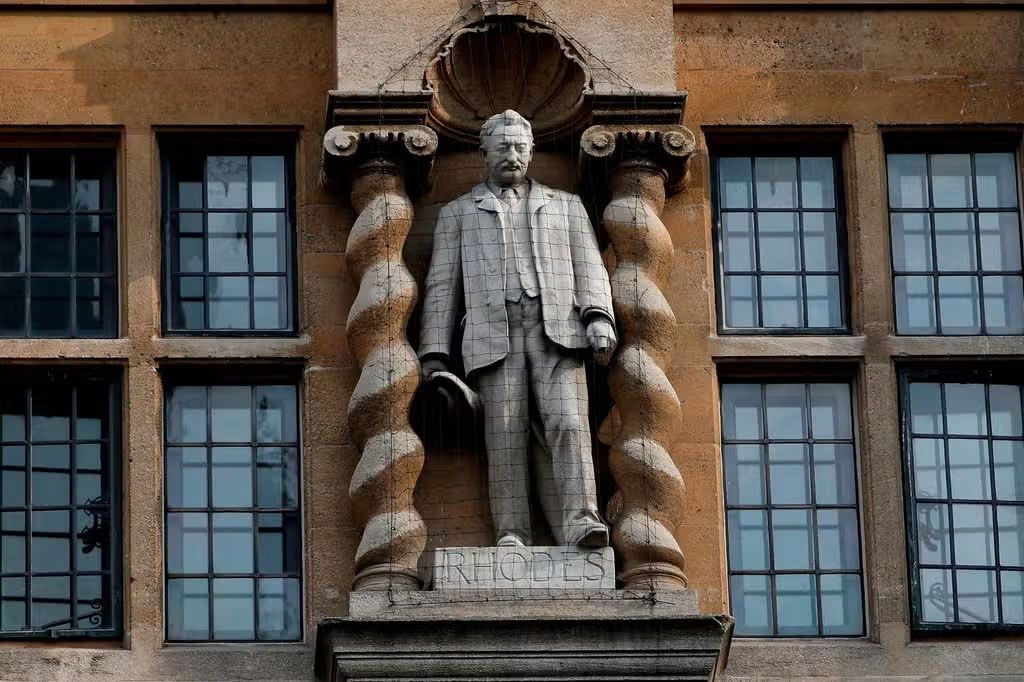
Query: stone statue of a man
{"points": [[524, 260]]}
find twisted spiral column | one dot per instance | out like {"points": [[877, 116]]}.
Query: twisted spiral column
{"points": [[391, 456], [648, 505]]}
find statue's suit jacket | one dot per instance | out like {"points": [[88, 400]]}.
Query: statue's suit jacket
{"points": [[468, 262]]}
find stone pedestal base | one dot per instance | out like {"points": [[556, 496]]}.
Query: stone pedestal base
{"points": [[522, 635]]}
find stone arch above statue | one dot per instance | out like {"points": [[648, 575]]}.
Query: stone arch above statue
{"points": [[506, 54]]}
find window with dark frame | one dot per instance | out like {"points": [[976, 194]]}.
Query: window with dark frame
{"points": [[59, 505], [780, 244], [956, 241], [792, 525], [58, 243], [229, 251], [964, 462], [234, 543]]}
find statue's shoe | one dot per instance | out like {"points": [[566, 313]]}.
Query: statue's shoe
{"points": [[511, 540], [592, 535]]}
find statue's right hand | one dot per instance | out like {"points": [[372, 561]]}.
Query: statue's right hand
{"points": [[431, 366]]}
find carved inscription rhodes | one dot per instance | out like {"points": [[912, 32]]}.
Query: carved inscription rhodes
{"points": [[561, 568]]}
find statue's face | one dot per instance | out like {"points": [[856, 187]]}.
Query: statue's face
{"points": [[507, 152]]}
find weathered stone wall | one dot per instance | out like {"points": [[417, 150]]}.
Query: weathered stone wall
{"points": [[131, 72], [858, 70]]}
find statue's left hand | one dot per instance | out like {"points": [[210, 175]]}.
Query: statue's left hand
{"points": [[601, 335]]}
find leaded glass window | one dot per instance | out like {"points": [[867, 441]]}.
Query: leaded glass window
{"points": [[58, 243], [956, 243], [791, 509], [229, 252], [59, 505], [780, 244], [964, 451], [234, 543]]}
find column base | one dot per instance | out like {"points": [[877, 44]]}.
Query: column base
{"points": [[382, 577], [522, 635], [658, 576]]}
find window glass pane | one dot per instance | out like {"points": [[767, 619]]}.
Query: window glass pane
{"points": [[977, 596], [748, 540], [797, 604], [270, 304], [834, 474], [790, 473], [186, 477], [929, 468], [741, 411], [1004, 305], [780, 301], [276, 419], [937, 595], [12, 242], [830, 411], [190, 254], [752, 604], [231, 413], [951, 180], [969, 469], [1011, 535], [232, 476], [821, 252], [908, 185], [915, 305], [736, 186], [12, 306], [234, 609], [959, 305], [817, 188], [838, 541], [187, 543], [279, 614], [269, 242], [51, 306], [280, 543], [911, 242], [740, 301], [823, 306], [229, 302], [779, 242], [738, 242], [1008, 458], [50, 178], [94, 244], [776, 182], [227, 245], [227, 182], [186, 415], [744, 474], [792, 539], [12, 179], [95, 188], [51, 602], [232, 542], [965, 409], [1012, 596], [188, 609], [996, 181], [278, 483], [973, 535], [841, 609], [933, 533], [786, 410], [268, 182], [926, 408], [1000, 241], [51, 242], [1005, 406], [955, 241]]}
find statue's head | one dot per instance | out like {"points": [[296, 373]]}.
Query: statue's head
{"points": [[506, 141]]}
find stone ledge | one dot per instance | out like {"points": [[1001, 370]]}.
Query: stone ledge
{"points": [[491, 635]]}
